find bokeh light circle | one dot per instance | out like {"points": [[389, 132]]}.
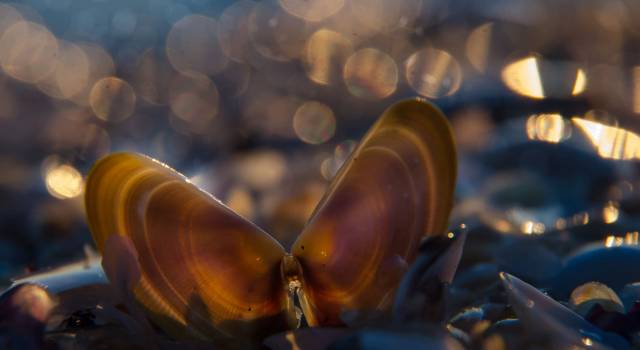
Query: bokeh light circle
{"points": [[276, 34], [112, 99], [194, 98], [192, 45], [385, 16], [64, 181], [27, 50], [70, 74], [370, 74], [100, 65], [312, 10], [152, 77], [325, 55], [233, 30], [433, 73], [314, 122]]}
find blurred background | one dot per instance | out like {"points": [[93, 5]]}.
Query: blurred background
{"points": [[260, 102]]}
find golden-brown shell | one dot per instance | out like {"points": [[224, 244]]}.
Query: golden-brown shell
{"points": [[396, 188], [208, 273]]}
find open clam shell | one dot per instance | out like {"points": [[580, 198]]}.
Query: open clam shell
{"points": [[206, 272]]}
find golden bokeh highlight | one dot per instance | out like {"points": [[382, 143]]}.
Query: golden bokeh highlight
{"points": [[233, 30], [370, 74], [194, 98], [611, 142], [27, 50], [529, 227], [433, 73], [112, 99], [314, 122], [64, 181], [378, 15], [630, 239], [276, 34], [70, 74], [610, 213], [523, 77], [325, 55], [478, 45], [551, 128], [192, 45], [312, 10], [537, 78], [580, 84]]}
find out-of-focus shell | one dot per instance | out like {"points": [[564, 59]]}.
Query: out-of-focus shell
{"points": [[613, 266], [396, 188], [551, 321], [205, 271]]}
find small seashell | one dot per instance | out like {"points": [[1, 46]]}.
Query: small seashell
{"points": [[587, 295]]}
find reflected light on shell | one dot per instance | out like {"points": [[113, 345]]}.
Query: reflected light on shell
{"points": [[112, 99], [433, 73], [370, 74], [314, 122], [548, 127], [379, 16], [312, 10], [325, 55], [477, 46], [580, 84], [194, 98], [523, 77], [192, 45], [233, 30], [610, 213], [276, 34], [611, 142], [64, 181], [27, 50]]}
